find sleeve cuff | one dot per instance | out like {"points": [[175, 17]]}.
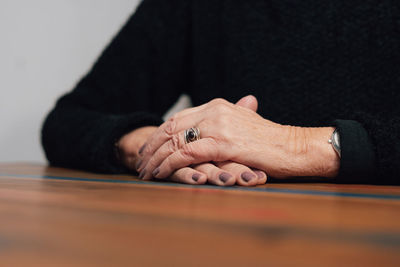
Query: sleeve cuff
{"points": [[357, 163]]}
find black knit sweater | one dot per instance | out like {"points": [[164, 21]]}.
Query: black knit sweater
{"points": [[309, 62]]}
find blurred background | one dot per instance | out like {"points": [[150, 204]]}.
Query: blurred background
{"points": [[46, 46]]}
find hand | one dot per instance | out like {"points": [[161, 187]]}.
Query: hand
{"points": [[233, 133], [129, 145], [221, 173]]}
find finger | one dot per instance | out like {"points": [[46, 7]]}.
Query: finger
{"points": [[166, 132], [168, 128], [169, 147], [178, 123], [262, 176], [203, 150], [249, 102], [216, 175], [244, 176], [188, 175], [176, 142]]}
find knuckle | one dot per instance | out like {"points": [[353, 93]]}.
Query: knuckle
{"points": [[149, 165], [218, 101], [188, 151], [221, 108], [170, 126], [174, 143], [148, 149]]}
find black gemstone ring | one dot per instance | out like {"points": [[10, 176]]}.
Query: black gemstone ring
{"points": [[192, 134]]}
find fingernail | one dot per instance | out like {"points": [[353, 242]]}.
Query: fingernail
{"points": [[138, 164], [142, 149], [224, 177], [142, 174], [196, 177], [156, 171], [247, 176], [260, 174]]}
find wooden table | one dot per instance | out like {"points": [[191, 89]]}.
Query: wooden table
{"points": [[59, 217]]}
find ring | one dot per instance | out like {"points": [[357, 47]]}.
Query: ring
{"points": [[192, 134]]}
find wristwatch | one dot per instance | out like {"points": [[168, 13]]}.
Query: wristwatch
{"points": [[335, 142]]}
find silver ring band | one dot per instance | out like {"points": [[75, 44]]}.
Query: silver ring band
{"points": [[191, 135]]}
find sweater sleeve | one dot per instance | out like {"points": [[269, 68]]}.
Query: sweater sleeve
{"points": [[370, 146], [134, 82]]}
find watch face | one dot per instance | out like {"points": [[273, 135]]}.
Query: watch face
{"points": [[336, 139], [335, 142]]}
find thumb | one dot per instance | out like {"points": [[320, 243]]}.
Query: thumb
{"points": [[249, 102]]}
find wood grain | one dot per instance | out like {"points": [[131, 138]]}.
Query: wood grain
{"points": [[58, 217]]}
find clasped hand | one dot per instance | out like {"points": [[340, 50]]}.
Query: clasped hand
{"points": [[237, 146]]}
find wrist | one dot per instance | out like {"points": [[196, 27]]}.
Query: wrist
{"points": [[322, 159]]}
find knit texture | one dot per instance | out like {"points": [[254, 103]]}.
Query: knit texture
{"points": [[310, 63]]}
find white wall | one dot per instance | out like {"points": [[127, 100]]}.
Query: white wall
{"points": [[45, 47]]}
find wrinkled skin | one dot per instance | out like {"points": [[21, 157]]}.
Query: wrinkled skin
{"points": [[236, 134], [222, 173]]}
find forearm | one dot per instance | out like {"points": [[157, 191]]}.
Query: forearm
{"points": [[121, 91], [75, 137]]}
